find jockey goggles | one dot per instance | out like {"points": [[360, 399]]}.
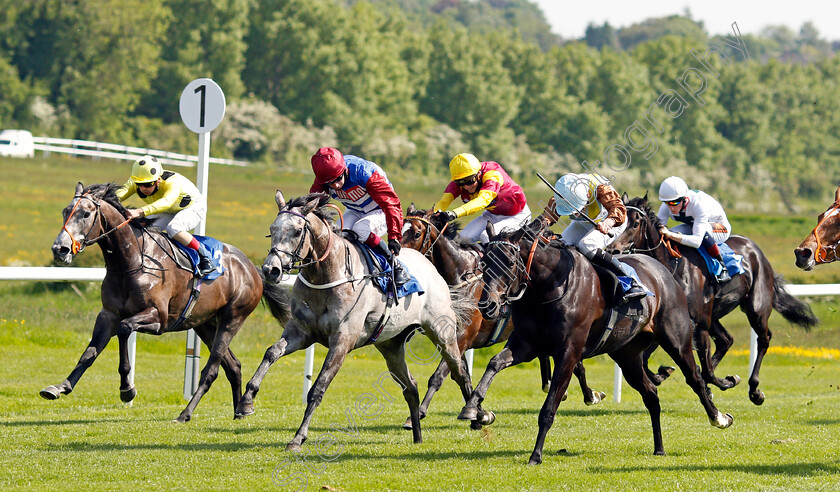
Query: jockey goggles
{"points": [[467, 181], [674, 203]]}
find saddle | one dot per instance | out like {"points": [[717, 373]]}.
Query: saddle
{"points": [[380, 272], [187, 258]]}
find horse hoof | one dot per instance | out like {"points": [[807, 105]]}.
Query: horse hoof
{"points": [[293, 447], [475, 425], [722, 420], [734, 379], [665, 371], [468, 413], [182, 419], [757, 397], [407, 425], [659, 452], [243, 411], [545, 388], [128, 395], [50, 393], [488, 418], [597, 397], [565, 395]]}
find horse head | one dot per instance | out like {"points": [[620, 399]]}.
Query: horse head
{"points": [[821, 245], [641, 233], [505, 277], [84, 223], [293, 236], [419, 230]]}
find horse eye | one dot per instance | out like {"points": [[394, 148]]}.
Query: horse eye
{"points": [[87, 214], [417, 235], [297, 232]]}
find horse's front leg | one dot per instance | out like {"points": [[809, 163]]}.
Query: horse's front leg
{"points": [[339, 347], [435, 382], [103, 330], [293, 339], [513, 353], [559, 383], [590, 396]]}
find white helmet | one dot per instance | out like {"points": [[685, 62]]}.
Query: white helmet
{"points": [[672, 188], [575, 188]]}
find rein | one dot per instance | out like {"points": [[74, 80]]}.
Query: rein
{"points": [[77, 246], [821, 252], [428, 235], [297, 262]]}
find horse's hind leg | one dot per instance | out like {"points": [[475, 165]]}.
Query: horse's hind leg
{"points": [[218, 351], [590, 396], [103, 330], [703, 341], [660, 375], [228, 361], [758, 321], [723, 342], [629, 359], [435, 382], [679, 348], [293, 339], [513, 353], [339, 348], [394, 352]]}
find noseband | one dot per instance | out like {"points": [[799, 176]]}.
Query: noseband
{"points": [[821, 252], [297, 259], [427, 243], [77, 247]]}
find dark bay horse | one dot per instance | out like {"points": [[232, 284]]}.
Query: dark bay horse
{"points": [[335, 303], [459, 263], [563, 311], [146, 291], [820, 246], [757, 292]]}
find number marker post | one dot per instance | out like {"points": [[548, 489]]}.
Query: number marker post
{"points": [[202, 108]]}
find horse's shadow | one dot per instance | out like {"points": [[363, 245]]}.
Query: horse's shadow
{"points": [[787, 470]]}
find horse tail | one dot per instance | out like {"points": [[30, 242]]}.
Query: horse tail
{"points": [[278, 299], [791, 308], [464, 303]]}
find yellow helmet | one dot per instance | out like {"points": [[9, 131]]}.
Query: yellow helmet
{"points": [[146, 169], [464, 165]]}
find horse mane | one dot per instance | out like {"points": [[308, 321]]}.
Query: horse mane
{"points": [[108, 193], [642, 203], [300, 201]]}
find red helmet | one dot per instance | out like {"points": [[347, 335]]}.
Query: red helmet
{"points": [[328, 164]]}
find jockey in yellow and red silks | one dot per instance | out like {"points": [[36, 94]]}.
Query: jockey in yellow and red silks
{"points": [[484, 187]]}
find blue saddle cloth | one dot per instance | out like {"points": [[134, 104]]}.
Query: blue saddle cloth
{"points": [[626, 282], [214, 247], [731, 261], [384, 281]]}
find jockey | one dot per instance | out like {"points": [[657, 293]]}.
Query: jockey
{"points": [[704, 222], [592, 195], [173, 203], [372, 206], [483, 186]]}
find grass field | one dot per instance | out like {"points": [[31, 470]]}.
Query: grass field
{"points": [[89, 440]]}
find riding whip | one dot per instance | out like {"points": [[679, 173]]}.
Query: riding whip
{"points": [[557, 193]]}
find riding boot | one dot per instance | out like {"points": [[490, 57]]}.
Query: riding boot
{"points": [[610, 262], [205, 266], [400, 275], [722, 276], [714, 251]]}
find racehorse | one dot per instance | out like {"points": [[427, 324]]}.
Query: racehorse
{"points": [[145, 290], [821, 244], [757, 291], [458, 263], [563, 310], [335, 303]]}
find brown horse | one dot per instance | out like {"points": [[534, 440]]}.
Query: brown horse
{"points": [[458, 262], [821, 245], [145, 290], [563, 310], [757, 292]]}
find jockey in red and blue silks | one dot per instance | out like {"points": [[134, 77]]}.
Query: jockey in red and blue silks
{"points": [[372, 206]]}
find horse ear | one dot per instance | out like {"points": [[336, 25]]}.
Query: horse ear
{"points": [[281, 202], [79, 188], [625, 198], [517, 236], [310, 205], [489, 229], [837, 195], [411, 209], [645, 198]]}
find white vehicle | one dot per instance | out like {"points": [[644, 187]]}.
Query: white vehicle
{"points": [[16, 143]]}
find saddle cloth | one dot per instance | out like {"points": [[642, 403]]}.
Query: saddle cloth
{"points": [[378, 264], [731, 261], [214, 247]]}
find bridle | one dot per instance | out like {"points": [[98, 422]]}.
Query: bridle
{"points": [[520, 271], [428, 243], [77, 247], [645, 240], [298, 260], [821, 252]]}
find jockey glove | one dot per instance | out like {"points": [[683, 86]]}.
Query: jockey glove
{"points": [[394, 246], [448, 215]]}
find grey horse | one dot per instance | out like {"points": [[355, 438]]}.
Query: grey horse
{"points": [[335, 303]]}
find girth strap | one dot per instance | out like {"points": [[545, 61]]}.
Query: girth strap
{"points": [[382, 320], [194, 294]]}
